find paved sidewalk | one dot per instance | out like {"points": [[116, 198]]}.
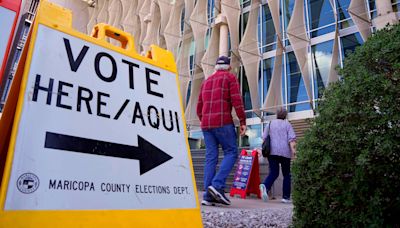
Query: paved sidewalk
{"points": [[247, 213], [250, 202]]}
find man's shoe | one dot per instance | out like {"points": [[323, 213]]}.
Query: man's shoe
{"points": [[208, 202], [219, 195], [286, 201], [263, 192]]}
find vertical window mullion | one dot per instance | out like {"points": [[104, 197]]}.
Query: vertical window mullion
{"points": [[366, 2], [261, 43], [311, 74], [261, 49], [341, 57], [307, 22], [285, 81], [284, 53], [313, 77]]}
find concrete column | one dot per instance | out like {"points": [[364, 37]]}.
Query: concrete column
{"points": [[383, 7], [385, 14], [223, 36], [223, 40], [231, 9]]}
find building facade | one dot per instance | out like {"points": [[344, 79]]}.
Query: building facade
{"points": [[285, 52]]}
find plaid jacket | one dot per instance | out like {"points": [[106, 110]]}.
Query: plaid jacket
{"points": [[218, 94]]}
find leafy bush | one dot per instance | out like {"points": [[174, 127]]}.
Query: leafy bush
{"points": [[348, 168]]}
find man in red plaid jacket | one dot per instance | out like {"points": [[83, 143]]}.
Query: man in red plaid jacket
{"points": [[218, 94]]}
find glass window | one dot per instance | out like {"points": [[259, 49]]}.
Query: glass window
{"points": [[196, 139], [288, 6], [252, 138], [350, 42], [207, 38], [268, 66], [396, 5], [268, 37], [183, 20], [192, 54], [210, 11], [321, 62], [229, 44], [243, 23], [283, 78], [246, 93], [372, 8], [345, 20], [245, 3], [196, 134], [189, 90], [321, 17], [295, 85]]}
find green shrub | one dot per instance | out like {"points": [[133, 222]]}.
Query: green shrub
{"points": [[348, 168]]}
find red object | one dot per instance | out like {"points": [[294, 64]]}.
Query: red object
{"points": [[8, 114], [247, 176], [218, 94], [13, 5]]}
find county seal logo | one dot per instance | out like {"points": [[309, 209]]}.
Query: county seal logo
{"points": [[28, 183]]}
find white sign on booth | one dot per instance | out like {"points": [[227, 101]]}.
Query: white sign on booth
{"points": [[98, 130]]}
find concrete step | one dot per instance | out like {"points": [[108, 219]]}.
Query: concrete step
{"points": [[300, 126]]}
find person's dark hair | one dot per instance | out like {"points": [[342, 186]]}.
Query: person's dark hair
{"points": [[281, 113]]}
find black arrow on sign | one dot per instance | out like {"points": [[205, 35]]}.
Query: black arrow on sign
{"points": [[149, 156]]}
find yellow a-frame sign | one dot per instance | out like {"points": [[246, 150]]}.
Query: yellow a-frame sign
{"points": [[98, 137]]}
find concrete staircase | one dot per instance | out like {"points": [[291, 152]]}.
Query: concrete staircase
{"points": [[299, 126]]}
